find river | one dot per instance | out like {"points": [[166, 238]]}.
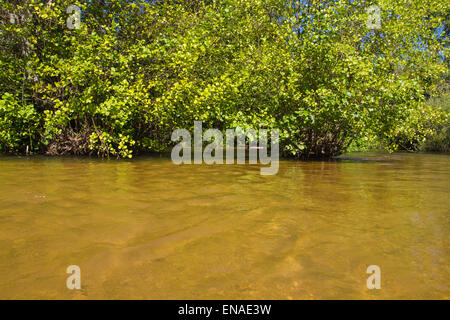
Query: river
{"points": [[148, 229]]}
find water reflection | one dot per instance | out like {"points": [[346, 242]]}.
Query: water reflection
{"points": [[145, 228]]}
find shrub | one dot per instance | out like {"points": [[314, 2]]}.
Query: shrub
{"points": [[137, 70]]}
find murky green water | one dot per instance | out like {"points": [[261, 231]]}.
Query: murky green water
{"points": [[146, 228]]}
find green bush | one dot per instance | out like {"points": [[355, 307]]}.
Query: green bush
{"points": [[18, 125], [137, 70], [440, 141]]}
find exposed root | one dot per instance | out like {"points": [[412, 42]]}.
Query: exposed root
{"points": [[70, 142]]}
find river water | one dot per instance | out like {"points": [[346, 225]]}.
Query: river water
{"points": [[148, 229]]}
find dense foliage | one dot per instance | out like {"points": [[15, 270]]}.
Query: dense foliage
{"points": [[137, 70], [439, 142]]}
